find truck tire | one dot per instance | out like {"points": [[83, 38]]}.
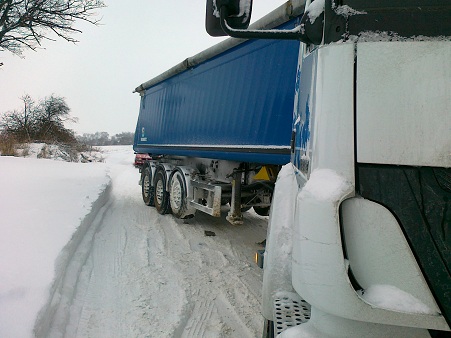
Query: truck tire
{"points": [[146, 188], [161, 195], [177, 195], [268, 329]]}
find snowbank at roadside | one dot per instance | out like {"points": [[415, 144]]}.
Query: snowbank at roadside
{"points": [[60, 152], [44, 205]]}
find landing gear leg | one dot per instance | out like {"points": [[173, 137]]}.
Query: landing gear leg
{"points": [[234, 216]]}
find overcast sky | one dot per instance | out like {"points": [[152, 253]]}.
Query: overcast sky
{"points": [[137, 40]]}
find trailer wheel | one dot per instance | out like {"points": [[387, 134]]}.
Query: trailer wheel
{"points": [[146, 187], [244, 209], [177, 195], [161, 195], [262, 211]]}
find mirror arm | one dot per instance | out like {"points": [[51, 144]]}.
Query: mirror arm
{"points": [[293, 34]]}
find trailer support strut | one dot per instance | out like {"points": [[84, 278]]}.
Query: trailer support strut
{"points": [[234, 216]]}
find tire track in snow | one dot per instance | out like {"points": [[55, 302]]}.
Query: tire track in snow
{"points": [[223, 305], [130, 283], [148, 275], [54, 316]]}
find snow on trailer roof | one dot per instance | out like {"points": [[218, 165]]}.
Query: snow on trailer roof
{"points": [[279, 16]]}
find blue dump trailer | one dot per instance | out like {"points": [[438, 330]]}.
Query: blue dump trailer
{"points": [[218, 126]]}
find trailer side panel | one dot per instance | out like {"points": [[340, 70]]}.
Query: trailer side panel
{"points": [[235, 106]]}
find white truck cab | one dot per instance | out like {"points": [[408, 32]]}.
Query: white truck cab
{"points": [[359, 239]]}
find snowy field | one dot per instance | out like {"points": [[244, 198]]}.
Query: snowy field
{"points": [[82, 256]]}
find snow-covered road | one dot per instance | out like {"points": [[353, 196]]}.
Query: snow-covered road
{"points": [[137, 273]]}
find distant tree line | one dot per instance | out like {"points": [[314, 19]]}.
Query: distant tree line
{"points": [[104, 139], [39, 121], [43, 121]]}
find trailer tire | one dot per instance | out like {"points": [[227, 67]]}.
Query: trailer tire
{"points": [[161, 195], [177, 195], [146, 187], [262, 211]]}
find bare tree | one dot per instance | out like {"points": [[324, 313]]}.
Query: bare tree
{"points": [[22, 124], [53, 113], [24, 24], [39, 122]]}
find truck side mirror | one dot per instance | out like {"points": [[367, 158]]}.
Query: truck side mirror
{"points": [[238, 15], [232, 17]]}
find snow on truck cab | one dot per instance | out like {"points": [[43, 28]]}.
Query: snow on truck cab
{"points": [[359, 236]]}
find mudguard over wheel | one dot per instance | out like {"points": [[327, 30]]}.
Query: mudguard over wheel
{"points": [[161, 195], [146, 187], [178, 195]]}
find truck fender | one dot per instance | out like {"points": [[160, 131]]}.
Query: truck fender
{"points": [[167, 169], [187, 172], [152, 165], [320, 270], [279, 242]]}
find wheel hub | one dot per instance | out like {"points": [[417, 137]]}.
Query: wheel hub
{"points": [[146, 186], [159, 192], [176, 194]]}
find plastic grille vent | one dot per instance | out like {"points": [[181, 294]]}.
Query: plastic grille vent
{"points": [[290, 310]]}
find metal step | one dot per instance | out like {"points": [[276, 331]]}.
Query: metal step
{"points": [[289, 310]]}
